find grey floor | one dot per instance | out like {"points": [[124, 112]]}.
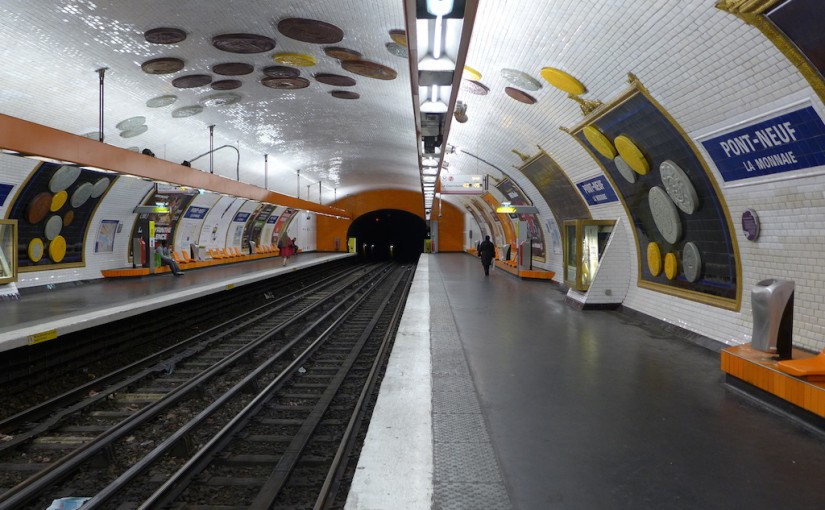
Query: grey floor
{"points": [[602, 410]]}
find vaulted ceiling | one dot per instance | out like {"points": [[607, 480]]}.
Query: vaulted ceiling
{"points": [[330, 127]]}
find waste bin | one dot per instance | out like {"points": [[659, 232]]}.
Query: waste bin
{"points": [[772, 304]]}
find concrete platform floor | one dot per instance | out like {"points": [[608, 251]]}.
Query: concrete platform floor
{"points": [[582, 409]]}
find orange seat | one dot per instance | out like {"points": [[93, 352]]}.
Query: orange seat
{"points": [[236, 252], [812, 369], [185, 256], [178, 258], [215, 254]]}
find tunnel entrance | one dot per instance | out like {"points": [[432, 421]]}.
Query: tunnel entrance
{"points": [[389, 234]]}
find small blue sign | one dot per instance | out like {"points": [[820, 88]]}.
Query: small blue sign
{"points": [[241, 217], [597, 191], [787, 142], [272, 219], [196, 213], [5, 189]]}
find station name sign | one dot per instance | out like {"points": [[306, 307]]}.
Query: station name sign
{"points": [[791, 141], [597, 191]]}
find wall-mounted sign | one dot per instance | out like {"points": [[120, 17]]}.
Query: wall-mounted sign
{"points": [[241, 217], [196, 213], [597, 191], [777, 144], [462, 184]]}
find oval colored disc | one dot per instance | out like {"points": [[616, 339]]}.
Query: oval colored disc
{"points": [[58, 200], [599, 142], [691, 262], [35, 249], [563, 81], [57, 249], [624, 169], [678, 186], [233, 69], [399, 36], [285, 83], [345, 94], [310, 31], [474, 87], [281, 72], [336, 80], [130, 133], [82, 194], [63, 178], [162, 65], [665, 214], [157, 102], [220, 99], [342, 53], [632, 154], [472, 74], [654, 258], [39, 207], [164, 35], [397, 50], [519, 95], [671, 266], [100, 187], [53, 227], [295, 59], [369, 69], [521, 79], [68, 218], [131, 123], [187, 111], [226, 84], [243, 43], [191, 81]]}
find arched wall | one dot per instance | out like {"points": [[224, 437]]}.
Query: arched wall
{"points": [[450, 223]]}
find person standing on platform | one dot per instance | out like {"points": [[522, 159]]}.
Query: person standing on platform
{"points": [[487, 252], [286, 246], [166, 258]]}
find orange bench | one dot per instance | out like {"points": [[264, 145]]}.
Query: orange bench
{"points": [[811, 369]]}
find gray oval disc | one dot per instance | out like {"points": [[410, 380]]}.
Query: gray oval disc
{"points": [[624, 169], [678, 186], [691, 262], [665, 214]]}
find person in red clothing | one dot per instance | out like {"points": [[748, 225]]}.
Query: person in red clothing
{"points": [[287, 247]]}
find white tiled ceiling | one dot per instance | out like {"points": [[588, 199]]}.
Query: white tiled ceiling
{"points": [[702, 64], [50, 52]]}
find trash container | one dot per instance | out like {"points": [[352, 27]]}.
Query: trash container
{"points": [[772, 304]]}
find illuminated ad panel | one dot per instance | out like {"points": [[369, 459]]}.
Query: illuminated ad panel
{"points": [[515, 196], [681, 224], [53, 208]]}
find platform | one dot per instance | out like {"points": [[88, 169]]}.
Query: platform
{"points": [[499, 395], [42, 314]]}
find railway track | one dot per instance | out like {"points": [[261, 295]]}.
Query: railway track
{"points": [[283, 366]]}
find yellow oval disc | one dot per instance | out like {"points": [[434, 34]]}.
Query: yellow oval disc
{"points": [[35, 249], [654, 258], [58, 200], [57, 249], [295, 59], [632, 155], [563, 81], [471, 74], [671, 266], [599, 142]]}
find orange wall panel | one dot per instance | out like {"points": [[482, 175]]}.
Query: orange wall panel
{"points": [[451, 222]]}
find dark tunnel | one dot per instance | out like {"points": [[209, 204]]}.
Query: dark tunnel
{"points": [[389, 234]]}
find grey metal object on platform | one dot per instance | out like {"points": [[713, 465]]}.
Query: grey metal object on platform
{"points": [[772, 305]]}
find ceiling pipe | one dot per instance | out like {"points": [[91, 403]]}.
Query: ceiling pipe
{"points": [[101, 73]]}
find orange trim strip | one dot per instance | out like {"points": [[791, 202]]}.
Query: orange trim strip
{"points": [[35, 139]]}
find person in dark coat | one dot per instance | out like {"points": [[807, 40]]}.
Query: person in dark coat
{"points": [[487, 251]]}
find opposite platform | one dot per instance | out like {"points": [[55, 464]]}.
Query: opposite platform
{"points": [[566, 409], [41, 315]]}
